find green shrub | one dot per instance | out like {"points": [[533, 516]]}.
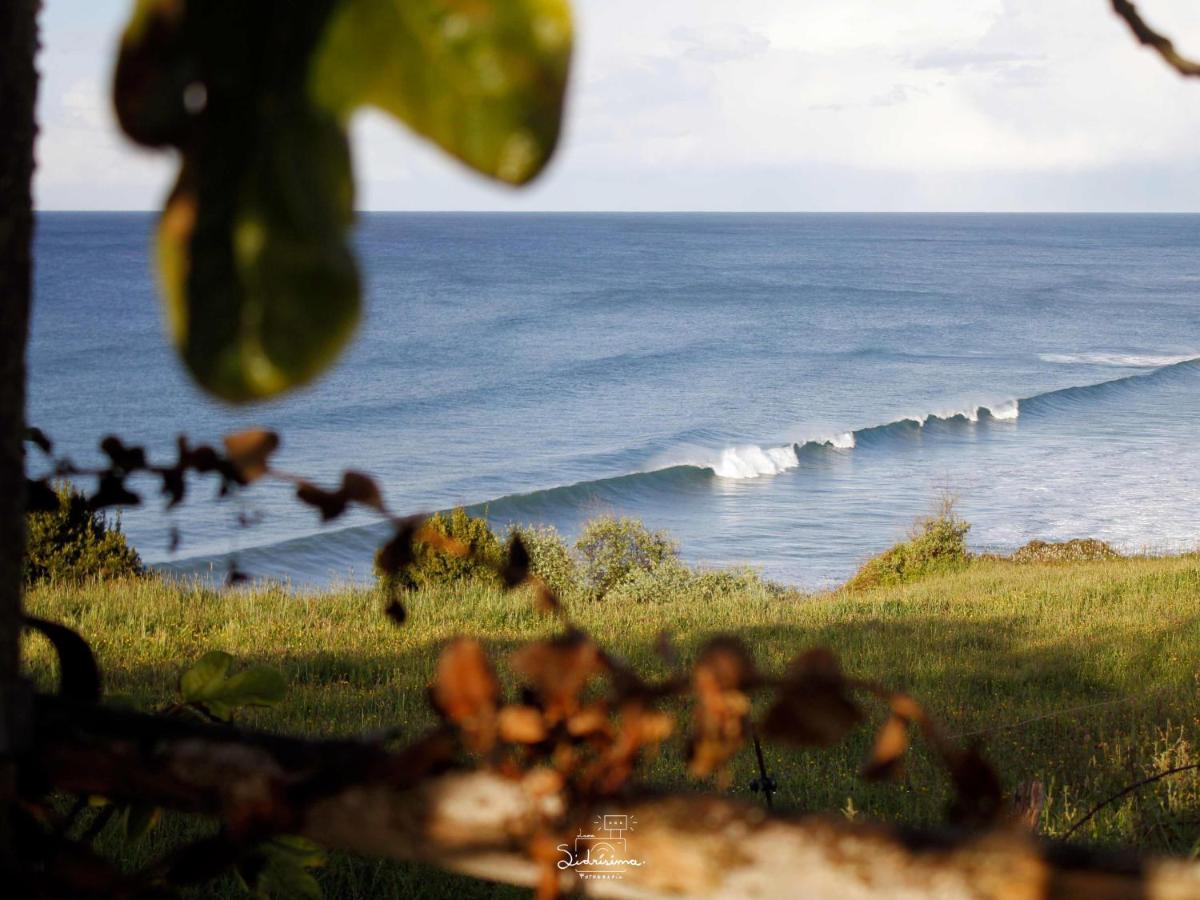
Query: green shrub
{"points": [[669, 580], [1078, 550], [433, 567], [662, 581], [616, 558], [73, 543], [610, 549], [938, 545], [550, 558], [714, 584]]}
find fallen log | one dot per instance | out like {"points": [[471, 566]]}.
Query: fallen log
{"points": [[359, 797]]}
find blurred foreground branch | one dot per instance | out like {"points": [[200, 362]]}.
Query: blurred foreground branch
{"points": [[1151, 38], [362, 798]]}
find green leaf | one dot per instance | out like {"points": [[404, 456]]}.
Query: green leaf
{"points": [[139, 819], [299, 850], [261, 287], [205, 677], [208, 684], [278, 868], [288, 882], [255, 686], [484, 80], [153, 73]]}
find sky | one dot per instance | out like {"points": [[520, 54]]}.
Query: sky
{"points": [[927, 105]]}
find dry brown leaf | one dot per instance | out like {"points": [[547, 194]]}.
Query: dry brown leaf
{"points": [[544, 599], [465, 691], [728, 661], [362, 489], [331, 504], [516, 571], [398, 551], [249, 450], [543, 850], [891, 743], [543, 782], [590, 720], [440, 542], [905, 706], [522, 725], [558, 670], [980, 799], [719, 718], [814, 706], [638, 729]]}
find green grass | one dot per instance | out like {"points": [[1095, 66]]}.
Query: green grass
{"points": [[998, 651]]}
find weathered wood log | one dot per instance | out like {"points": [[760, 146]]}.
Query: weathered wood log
{"points": [[361, 798]]}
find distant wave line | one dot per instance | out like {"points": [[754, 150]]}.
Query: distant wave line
{"points": [[755, 461], [1123, 360]]}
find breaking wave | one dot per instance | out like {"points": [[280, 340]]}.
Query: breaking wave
{"points": [[692, 469], [752, 461], [1123, 360]]}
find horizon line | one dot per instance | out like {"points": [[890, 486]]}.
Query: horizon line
{"points": [[735, 212]]}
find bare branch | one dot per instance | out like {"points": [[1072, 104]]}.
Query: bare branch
{"points": [[1128, 789], [358, 797], [1151, 38]]}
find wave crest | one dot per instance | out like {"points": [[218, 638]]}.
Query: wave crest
{"points": [[753, 461], [1122, 360], [1003, 411]]}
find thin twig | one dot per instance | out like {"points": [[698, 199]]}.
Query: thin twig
{"points": [[1151, 38], [1055, 713], [1127, 790], [765, 781]]}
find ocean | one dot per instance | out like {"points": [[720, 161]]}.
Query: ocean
{"points": [[788, 392]]}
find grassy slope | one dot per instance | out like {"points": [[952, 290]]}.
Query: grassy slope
{"points": [[984, 649]]}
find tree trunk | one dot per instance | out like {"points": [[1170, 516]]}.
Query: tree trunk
{"points": [[18, 92], [364, 799]]}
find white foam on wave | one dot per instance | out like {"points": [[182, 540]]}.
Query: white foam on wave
{"points": [[1001, 410], [1005, 410], [753, 461], [820, 436], [741, 461], [1121, 360], [970, 413]]}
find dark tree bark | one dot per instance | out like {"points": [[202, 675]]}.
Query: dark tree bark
{"points": [[18, 92]]}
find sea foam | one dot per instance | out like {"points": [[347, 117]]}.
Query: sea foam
{"points": [[753, 461], [1124, 360]]}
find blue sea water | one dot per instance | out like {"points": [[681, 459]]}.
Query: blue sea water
{"points": [[783, 391]]}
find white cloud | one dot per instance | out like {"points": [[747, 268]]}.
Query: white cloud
{"points": [[769, 104], [721, 43]]}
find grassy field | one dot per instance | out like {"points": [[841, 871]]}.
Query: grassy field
{"points": [[1081, 674]]}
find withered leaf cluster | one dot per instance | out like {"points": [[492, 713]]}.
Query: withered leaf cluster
{"points": [[583, 715], [581, 739]]}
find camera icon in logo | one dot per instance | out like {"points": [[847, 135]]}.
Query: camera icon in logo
{"points": [[607, 847]]}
